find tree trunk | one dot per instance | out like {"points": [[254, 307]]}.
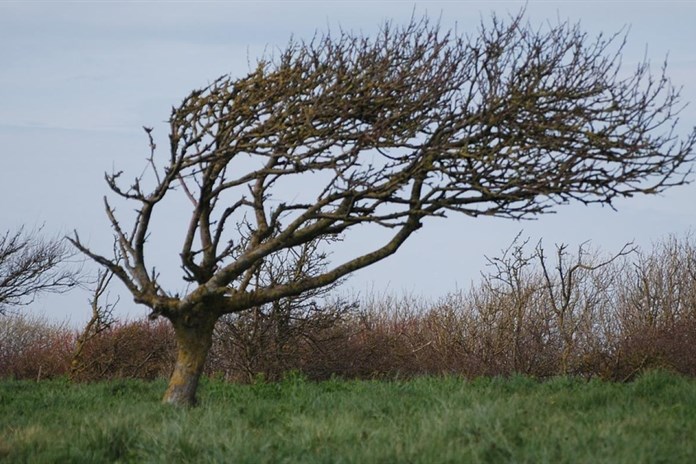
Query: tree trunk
{"points": [[194, 336]]}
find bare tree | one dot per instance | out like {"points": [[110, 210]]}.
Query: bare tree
{"points": [[506, 296], [574, 289], [30, 265], [102, 319], [386, 131]]}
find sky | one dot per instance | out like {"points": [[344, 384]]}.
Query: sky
{"points": [[78, 80]]}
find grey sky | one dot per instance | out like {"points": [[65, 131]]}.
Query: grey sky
{"points": [[79, 79]]}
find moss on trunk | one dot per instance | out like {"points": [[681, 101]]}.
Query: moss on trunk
{"points": [[194, 338]]}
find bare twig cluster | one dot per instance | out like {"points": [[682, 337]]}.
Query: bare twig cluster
{"points": [[102, 319], [30, 265]]}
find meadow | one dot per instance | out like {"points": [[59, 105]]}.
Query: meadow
{"points": [[421, 420]]}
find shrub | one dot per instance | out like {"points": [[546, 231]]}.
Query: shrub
{"points": [[580, 314], [272, 340], [33, 348], [140, 349]]}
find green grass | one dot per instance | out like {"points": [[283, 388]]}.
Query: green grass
{"points": [[427, 420]]}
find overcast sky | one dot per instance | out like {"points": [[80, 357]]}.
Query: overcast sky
{"points": [[78, 80]]}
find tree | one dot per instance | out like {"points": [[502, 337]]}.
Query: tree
{"points": [[102, 319], [345, 131], [30, 265]]}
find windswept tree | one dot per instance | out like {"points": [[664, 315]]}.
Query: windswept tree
{"points": [[31, 265], [413, 123]]}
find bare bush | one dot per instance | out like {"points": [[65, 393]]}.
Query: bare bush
{"points": [[273, 338], [276, 338], [509, 327], [33, 348], [657, 309], [569, 313], [140, 349]]}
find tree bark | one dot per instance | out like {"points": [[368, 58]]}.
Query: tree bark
{"points": [[193, 338]]}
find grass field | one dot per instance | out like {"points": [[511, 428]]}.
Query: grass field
{"points": [[427, 420]]}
